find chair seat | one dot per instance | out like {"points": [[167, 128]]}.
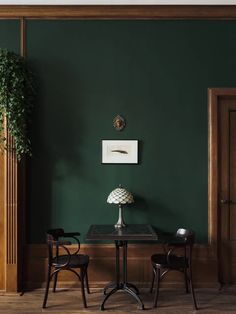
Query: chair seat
{"points": [[160, 261], [76, 261]]}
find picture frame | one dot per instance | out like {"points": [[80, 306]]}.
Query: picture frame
{"points": [[119, 151]]}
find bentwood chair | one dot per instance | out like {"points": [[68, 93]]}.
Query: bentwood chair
{"points": [[57, 242], [178, 257]]}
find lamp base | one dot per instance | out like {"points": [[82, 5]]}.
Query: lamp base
{"points": [[120, 223]]}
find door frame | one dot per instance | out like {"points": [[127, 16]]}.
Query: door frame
{"points": [[214, 94]]}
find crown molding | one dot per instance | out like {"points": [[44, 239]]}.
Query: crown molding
{"points": [[117, 12], [118, 2]]}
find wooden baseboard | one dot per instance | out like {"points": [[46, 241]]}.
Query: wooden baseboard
{"points": [[102, 266]]}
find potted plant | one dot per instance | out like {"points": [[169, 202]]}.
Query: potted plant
{"points": [[16, 100]]}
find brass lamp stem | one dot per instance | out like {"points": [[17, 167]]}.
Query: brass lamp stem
{"points": [[120, 223]]}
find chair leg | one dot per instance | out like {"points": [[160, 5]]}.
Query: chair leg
{"points": [[157, 275], [86, 280], [153, 278], [82, 275], [55, 282], [47, 287], [186, 280], [192, 289]]}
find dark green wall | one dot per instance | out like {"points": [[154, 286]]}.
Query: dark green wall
{"points": [[10, 35], [154, 73]]}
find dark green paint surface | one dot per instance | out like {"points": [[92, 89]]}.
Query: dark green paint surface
{"points": [[154, 73], [10, 35]]}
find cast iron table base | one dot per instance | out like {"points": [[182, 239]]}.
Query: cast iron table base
{"points": [[121, 285]]}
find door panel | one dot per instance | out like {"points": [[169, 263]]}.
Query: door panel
{"points": [[232, 222], [227, 193], [232, 173]]}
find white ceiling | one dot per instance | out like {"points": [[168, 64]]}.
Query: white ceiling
{"points": [[118, 2]]}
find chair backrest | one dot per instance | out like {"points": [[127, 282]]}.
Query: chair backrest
{"points": [[188, 237], [53, 242], [186, 234], [54, 234], [52, 237]]}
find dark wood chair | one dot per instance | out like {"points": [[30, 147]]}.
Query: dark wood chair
{"points": [[57, 241], [177, 257]]}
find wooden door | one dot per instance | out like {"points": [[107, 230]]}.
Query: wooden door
{"points": [[227, 189]]}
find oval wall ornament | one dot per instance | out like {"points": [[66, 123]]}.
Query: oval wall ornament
{"points": [[119, 123]]}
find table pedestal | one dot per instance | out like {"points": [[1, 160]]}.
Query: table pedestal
{"points": [[122, 285]]}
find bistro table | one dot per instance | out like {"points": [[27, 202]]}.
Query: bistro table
{"points": [[121, 237]]}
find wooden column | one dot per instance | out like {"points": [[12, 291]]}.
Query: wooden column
{"points": [[11, 216], [2, 221], [13, 207]]}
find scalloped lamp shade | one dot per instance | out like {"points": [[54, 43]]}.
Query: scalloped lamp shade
{"points": [[120, 196]]}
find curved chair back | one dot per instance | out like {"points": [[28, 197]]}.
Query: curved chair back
{"points": [[188, 237], [64, 259], [177, 256], [185, 233], [52, 237]]}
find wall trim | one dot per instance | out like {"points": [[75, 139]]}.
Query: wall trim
{"points": [[225, 12], [119, 2], [102, 266]]}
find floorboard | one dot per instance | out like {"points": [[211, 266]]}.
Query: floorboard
{"points": [[68, 301]]}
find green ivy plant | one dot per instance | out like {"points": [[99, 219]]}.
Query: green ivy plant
{"points": [[16, 100]]}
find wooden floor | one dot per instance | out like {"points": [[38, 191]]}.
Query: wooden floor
{"points": [[65, 301]]}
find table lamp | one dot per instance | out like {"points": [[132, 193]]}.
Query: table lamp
{"points": [[120, 196]]}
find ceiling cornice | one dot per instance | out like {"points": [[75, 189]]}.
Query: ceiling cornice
{"points": [[118, 11]]}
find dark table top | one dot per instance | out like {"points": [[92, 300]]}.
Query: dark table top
{"points": [[129, 232]]}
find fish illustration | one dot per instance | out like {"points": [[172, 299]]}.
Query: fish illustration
{"points": [[119, 151]]}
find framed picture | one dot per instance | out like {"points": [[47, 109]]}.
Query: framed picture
{"points": [[119, 151]]}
